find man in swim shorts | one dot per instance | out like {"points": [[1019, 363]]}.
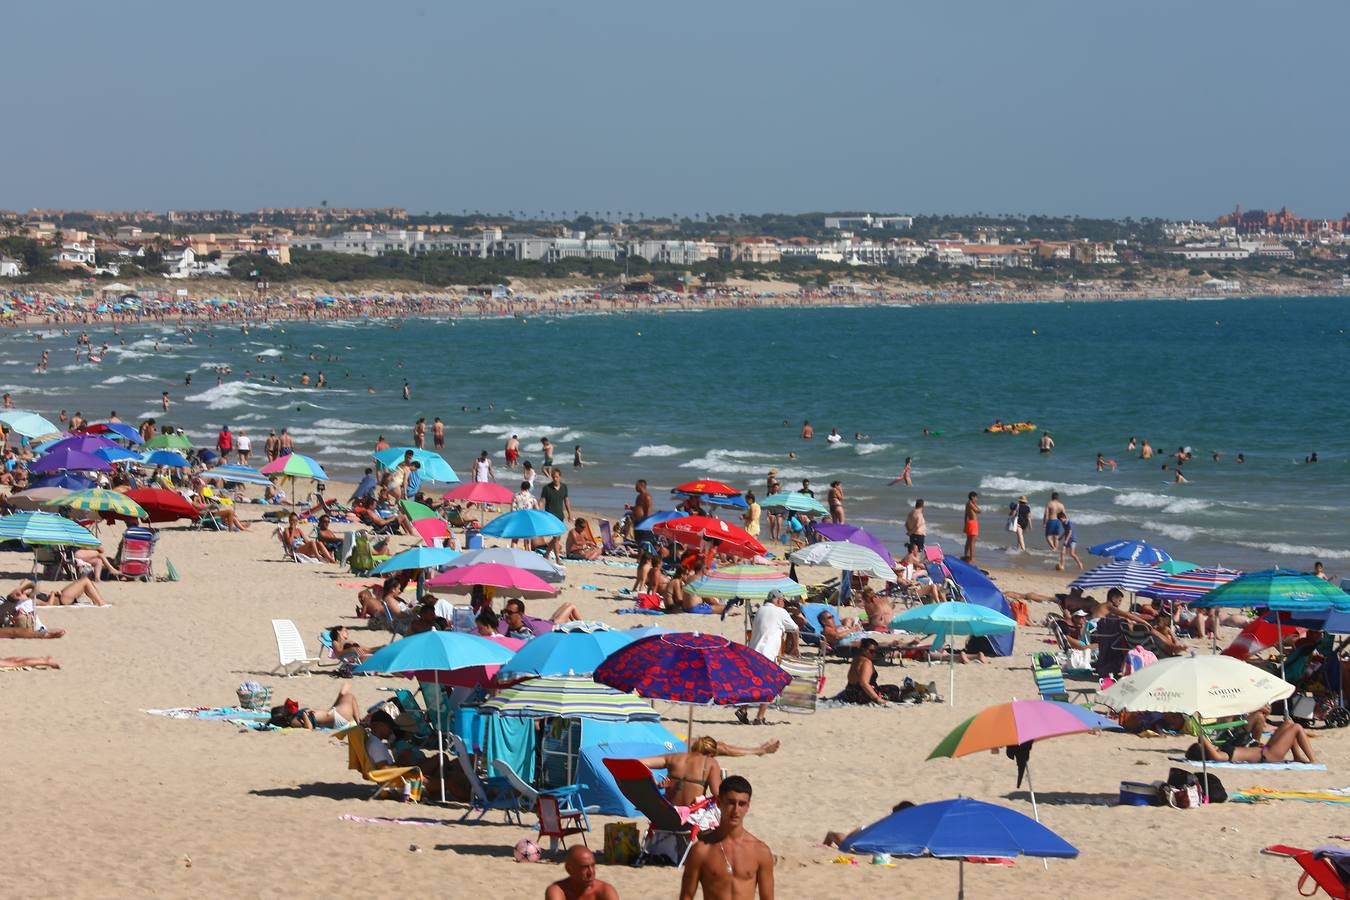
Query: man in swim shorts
{"points": [[1050, 519], [972, 526]]}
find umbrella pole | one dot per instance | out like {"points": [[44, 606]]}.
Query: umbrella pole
{"points": [[1204, 760], [951, 677], [689, 732], [440, 734], [961, 879], [1035, 811]]}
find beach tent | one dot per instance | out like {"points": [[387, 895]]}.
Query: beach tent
{"points": [[617, 740], [980, 590]]}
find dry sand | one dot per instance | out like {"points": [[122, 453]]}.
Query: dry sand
{"points": [[105, 800]]}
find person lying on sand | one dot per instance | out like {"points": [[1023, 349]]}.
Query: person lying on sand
{"points": [[838, 838], [28, 662], [514, 623], [17, 608], [1289, 738]]}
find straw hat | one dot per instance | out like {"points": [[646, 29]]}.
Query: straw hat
{"points": [[773, 471]]}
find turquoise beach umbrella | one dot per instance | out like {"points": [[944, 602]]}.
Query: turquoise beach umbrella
{"points": [[44, 528], [944, 619], [28, 424], [795, 502], [525, 523], [416, 558], [434, 466], [1283, 590]]}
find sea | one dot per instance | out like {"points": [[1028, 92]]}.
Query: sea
{"points": [[673, 395]]}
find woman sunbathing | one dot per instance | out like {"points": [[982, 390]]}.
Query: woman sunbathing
{"points": [[862, 687], [1289, 738], [294, 537], [695, 774], [579, 543], [28, 662], [95, 558], [20, 601]]}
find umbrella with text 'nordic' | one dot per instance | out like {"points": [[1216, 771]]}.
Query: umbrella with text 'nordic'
{"points": [[1135, 551]]}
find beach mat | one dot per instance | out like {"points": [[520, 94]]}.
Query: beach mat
{"points": [[1260, 794], [1291, 766], [386, 820], [251, 719]]}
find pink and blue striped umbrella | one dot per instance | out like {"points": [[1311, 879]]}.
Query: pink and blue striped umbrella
{"points": [[1185, 587]]}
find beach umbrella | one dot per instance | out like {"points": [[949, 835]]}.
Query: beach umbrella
{"points": [[121, 429], [568, 697], [26, 423], [855, 535], [170, 458], [479, 492], [844, 555], [101, 501], [564, 653], [170, 441], [85, 443], [1197, 686], [416, 512], [1284, 590], [162, 505], [727, 538], [547, 570], [1188, 586], [434, 466], [745, 582], [736, 502], [117, 454], [1019, 724], [430, 656], [432, 530], [657, 518], [1123, 574], [516, 582], [239, 474], [797, 502], [695, 669], [1176, 566], [35, 498], [1135, 551], [952, 618], [525, 523], [64, 480], [956, 829], [48, 529], [68, 460], [416, 558], [295, 465], [706, 486]]}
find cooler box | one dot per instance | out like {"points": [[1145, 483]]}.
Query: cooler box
{"points": [[1138, 793], [469, 726], [473, 540]]}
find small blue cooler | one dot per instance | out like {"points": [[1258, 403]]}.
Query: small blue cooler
{"points": [[473, 540], [1138, 793]]}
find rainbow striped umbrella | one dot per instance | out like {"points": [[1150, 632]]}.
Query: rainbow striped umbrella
{"points": [[569, 697], [296, 465], [1282, 590], [1185, 587], [746, 582], [99, 500]]}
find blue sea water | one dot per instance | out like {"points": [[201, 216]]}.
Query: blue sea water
{"points": [[675, 395]]}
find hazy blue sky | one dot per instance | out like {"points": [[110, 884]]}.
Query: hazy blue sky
{"points": [[1140, 108]]}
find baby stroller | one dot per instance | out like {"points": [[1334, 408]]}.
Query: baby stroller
{"points": [[1319, 694]]}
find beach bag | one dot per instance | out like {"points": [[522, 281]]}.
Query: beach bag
{"points": [[1012, 524], [362, 560], [621, 843], [649, 601]]}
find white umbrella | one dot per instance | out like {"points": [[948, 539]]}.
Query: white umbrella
{"points": [[847, 556], [1197, 686]]}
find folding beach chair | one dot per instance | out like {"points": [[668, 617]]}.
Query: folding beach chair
{"points": [[638, 785], [135, 556], [392, 779], [802, 692], [486, 793], [1049, 678], [566, 803], [1327, 867], [609, 545], [557, 825], [52, 563], [292, 659]]}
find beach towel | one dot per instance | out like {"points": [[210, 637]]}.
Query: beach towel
{"points": [[512, 741], [635, 611], [1257, 794], [386, 820], [1292, 766]]}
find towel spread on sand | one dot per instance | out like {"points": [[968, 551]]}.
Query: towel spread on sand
{"points": [[385, 820], [1292, 766], [252, 719], [1255, 794]]}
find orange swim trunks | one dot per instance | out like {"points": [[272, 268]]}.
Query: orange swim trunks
{"points": [[972, 528]]}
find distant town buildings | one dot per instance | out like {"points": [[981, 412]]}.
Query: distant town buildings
{"points": [[867, 220]]}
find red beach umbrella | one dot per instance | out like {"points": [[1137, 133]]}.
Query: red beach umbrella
{"points": [[709, 487], [694, 530], [163, 505]]}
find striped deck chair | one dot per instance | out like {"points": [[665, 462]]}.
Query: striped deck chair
{"points": [[808, 677], [1049, 678]]}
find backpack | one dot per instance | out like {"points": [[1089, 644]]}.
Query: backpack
{"points": [[362, 560]]}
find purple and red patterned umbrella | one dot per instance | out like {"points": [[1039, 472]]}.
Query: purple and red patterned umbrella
{"points": [[693, 668]]}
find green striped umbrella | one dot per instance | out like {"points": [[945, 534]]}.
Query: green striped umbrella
{"points": [[746, 582], [46, 528], [795, 502], [169, 442], [99, 500], [569, 697], [1283, 590]]}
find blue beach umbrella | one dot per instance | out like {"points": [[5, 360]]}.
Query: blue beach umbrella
{"points": [[657, 518], [28, 424], [121, 429], [170, 458], [1123, 574], [1134, 551], [956, 829], [434, 466], [416, 558], [952, 618], [46, 529], [525, 523], [117, 454], [563, 653], [63, 480]]}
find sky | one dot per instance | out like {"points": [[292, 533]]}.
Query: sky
{"points": [[1146, 108]]}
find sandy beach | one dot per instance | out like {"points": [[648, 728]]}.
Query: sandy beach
{"points": [[107, 800]]}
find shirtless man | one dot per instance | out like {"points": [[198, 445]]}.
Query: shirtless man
{"points": [[879, 610], [1047, 442], [438, 433], [642, 506], [1050, 519], [580, 883], [512, 451], [971, 527], [729, 863], [807, 431]]}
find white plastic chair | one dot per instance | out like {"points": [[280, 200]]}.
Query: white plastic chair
{"points": [[292, 658]]}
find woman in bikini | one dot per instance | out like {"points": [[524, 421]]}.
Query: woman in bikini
{"points": [[294, 537], [1289, 738]]}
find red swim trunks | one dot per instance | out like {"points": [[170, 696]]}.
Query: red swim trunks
{"points": [[512, 456], [972, 528]]}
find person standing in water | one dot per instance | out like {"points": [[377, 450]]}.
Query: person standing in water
{"points": [[420, 433], [438, 434], [807, 431], [407, 391], [576, 457], [971, 526], [1050, 520], [905, 476]]}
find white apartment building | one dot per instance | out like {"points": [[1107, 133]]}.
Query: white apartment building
{"points": [[10, 268], [1211, 252], [868, 220]]}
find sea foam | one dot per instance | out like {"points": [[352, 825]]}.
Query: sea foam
{"points": [[658, 450], [1011, 484]]}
